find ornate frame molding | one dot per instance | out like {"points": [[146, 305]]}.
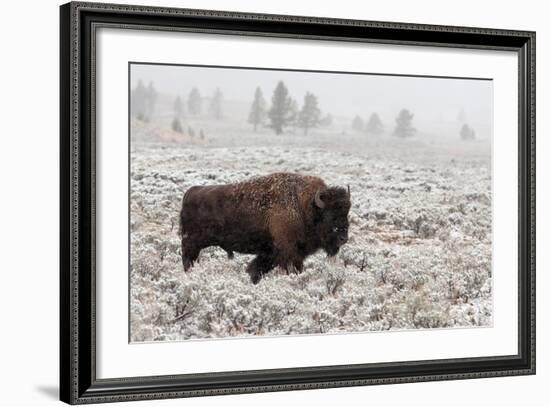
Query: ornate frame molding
{"points": [[77, 209]]}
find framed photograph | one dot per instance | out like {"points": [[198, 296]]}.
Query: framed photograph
{"points": [[255, 203]]}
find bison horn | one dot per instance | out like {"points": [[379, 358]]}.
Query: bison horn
{"points": [[349, 193], [318, 201]]}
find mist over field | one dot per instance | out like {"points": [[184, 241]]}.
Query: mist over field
{"points": [[416, 153]]}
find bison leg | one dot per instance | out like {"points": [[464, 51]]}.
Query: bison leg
{"points": [[258, 267], [293, 265], [189, 254], [298, 265], [288, 258], [286, 232]]}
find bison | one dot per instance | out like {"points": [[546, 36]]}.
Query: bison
{"points": [[281, 218]]}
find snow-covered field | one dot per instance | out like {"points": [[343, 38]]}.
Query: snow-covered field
{"points": [[419, 253]]}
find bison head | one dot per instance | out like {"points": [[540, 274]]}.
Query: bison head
{"points": [[332, 207]]}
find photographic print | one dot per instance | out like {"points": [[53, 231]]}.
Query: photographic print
{"points": [[269, 202], [231, 181]]}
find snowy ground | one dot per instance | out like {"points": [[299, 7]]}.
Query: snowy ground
{"points": [[419, 253]]}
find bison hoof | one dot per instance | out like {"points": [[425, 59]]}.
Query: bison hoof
{"points": [[255, 278], [255, 275], [187, 265]]}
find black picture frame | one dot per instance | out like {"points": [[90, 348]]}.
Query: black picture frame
{"points": [[78, 382]]}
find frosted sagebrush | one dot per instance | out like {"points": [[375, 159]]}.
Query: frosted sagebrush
{"points": [[418, 255]]}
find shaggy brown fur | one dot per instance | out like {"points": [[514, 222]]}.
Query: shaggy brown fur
{"points": [[276, 217]]}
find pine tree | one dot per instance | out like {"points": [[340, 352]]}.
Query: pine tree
{"points": [[151, 100], [403, 126], [176, 125], [216, 104], [374, 125], [282, 111], [309, 115], [257, 110], [194, 102], [178, 108], [467, 133], [357, 124], [138, 101]]}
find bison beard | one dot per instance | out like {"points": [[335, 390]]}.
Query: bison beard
{"points": [[281, 218]]}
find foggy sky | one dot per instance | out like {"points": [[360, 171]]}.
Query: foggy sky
{"points": [[430, 99]]}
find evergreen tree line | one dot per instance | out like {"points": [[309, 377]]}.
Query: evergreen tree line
{"points": [[195, 103], [143, 100], [194, 108], [284, 111], [403, 125], [372, 126]]}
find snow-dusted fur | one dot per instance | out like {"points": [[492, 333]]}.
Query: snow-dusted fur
{"points": [[418, 255], [281, 218]]}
